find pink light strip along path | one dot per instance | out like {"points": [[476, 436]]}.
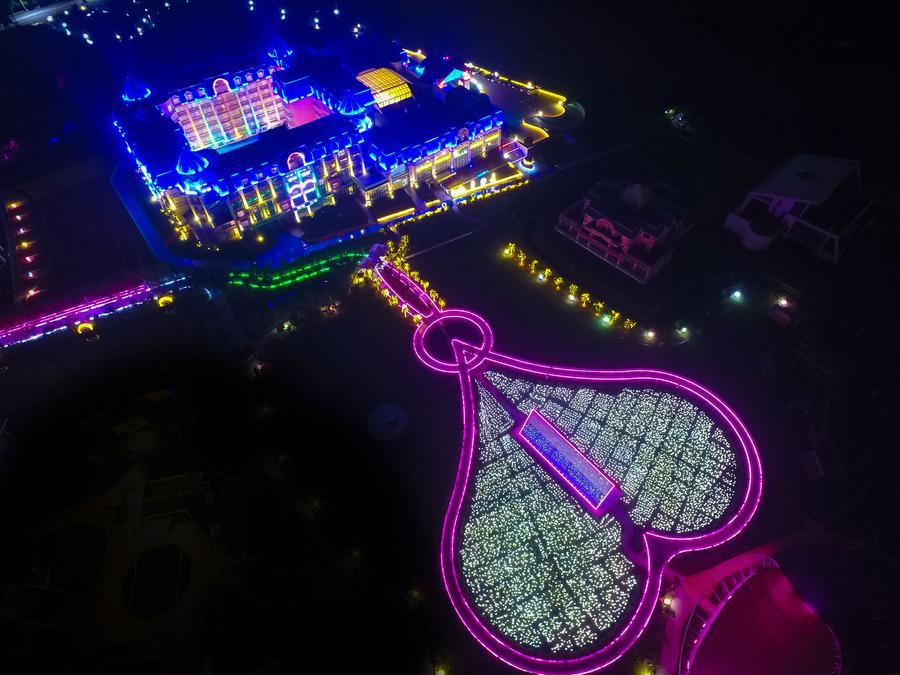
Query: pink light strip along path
{"points": [[471, 362], [47, 322]]}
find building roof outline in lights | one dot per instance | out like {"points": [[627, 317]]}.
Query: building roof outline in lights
{"points": [[699, 488]]}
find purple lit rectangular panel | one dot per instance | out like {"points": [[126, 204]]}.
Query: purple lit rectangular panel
{"points": [[566, 462]]}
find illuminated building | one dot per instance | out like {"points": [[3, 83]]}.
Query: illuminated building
{"points": [[631, 227], [296, 132], [744, 616]]}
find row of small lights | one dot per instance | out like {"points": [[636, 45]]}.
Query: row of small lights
{"points": [[282, 14], [24, 247], [445, 206], [609, 317], [397, 256], [118, 36], [737, 297], [649, 335], [529, 86], [283, 11], [393, 300]]}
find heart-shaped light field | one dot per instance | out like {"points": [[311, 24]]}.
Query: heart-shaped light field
{"points": [[574, 490]]}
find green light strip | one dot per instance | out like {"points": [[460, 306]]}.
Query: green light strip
{"points": [[273, 281]]}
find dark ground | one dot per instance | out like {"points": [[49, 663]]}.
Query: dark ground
{"points": [[327, 538]]}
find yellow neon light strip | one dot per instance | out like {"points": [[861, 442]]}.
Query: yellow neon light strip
{"points": [[243, 114], [416, 55], [198, 143], [558, 108], [398, 214], [259, 199], [272, 193], [537, 130], [208, 217], [558, 101], [457, 192]]}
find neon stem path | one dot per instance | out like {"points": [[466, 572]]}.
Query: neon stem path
{"points": [[574, 490], [88, 309]]}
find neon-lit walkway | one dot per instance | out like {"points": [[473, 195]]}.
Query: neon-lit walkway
{"points": [[38, 326], [23, 330]]}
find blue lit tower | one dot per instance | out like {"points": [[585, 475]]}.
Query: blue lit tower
{"points": [[350, 107], [191, 166], [280, 52], [134, 90]]}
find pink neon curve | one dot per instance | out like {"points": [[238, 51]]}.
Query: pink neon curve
{"points": [[660, 548]]}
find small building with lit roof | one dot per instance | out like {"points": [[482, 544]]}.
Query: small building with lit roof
{"points": [[816, 201]]}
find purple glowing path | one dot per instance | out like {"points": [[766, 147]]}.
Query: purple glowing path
{"points": [[45, 323], [577, 473], [471, 361]]}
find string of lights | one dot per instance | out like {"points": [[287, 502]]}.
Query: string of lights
{"points": [[112, 22], [284, 277], [396, 255], [606, 316], [87, 311]]}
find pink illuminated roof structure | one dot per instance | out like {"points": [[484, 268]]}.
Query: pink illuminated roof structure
{"points": [[501, 394], [767, 629]]}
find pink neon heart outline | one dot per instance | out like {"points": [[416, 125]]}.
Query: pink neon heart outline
{"points": [[660, 548]]}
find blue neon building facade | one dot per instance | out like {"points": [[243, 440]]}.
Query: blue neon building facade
{"points": [[296, 132]]}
